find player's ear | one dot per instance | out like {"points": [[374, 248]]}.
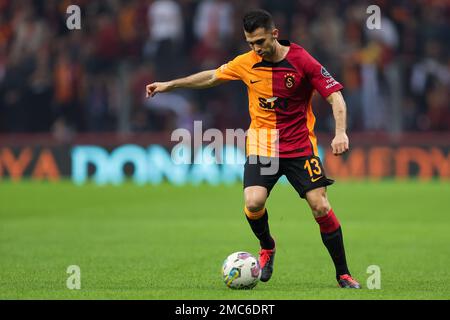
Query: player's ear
{"points": [[275, 33]]}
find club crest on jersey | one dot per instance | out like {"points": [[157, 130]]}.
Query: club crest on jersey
{"points": [[325, 73], [289, 80]]}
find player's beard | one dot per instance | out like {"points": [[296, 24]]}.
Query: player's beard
{"points": [[269, 53]]}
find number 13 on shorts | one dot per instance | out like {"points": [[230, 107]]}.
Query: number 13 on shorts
{"points": [[314, 168]]}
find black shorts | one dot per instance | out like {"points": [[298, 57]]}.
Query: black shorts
{"points": [[303, 173]]}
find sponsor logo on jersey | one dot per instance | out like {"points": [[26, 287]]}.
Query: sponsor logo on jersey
{"points": [[273, 103]]}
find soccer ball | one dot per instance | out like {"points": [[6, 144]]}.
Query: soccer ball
{"points": [[241, 270]]}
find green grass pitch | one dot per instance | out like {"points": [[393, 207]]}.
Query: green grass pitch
{"points": [[167, 242]]}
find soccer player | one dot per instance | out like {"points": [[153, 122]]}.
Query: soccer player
{"points": [[281, 77]]}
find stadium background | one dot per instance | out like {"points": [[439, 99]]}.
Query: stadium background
{"points": [[72, 103]]}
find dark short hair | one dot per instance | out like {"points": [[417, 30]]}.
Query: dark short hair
{"points": [[258, 19]]}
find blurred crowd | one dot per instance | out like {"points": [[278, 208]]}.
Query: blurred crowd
{"points": [[53, 79]]}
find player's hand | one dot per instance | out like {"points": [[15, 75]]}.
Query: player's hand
{"points": [[340, 144], [155, 87]]}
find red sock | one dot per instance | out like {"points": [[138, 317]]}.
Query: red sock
{"points": [[328, 223], [332, 238]]}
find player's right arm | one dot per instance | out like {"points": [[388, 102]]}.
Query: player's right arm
{"points": [[201, 80]]}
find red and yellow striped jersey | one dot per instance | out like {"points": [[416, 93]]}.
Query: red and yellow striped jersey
{"points": [[279, 94]]}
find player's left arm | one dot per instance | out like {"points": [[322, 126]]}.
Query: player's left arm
{"points": [[328, 88], [340, 143]]}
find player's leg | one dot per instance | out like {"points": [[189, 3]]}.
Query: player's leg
{"points": [[257, 216], [257, 188], [331, 233], [258, 219], [308, 177]]}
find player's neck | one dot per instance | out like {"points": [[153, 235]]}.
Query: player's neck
{"points": [[279, 54]]}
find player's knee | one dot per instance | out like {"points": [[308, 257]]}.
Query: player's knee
{"points": [[255, 198], [320, 207], [254, 204]]}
